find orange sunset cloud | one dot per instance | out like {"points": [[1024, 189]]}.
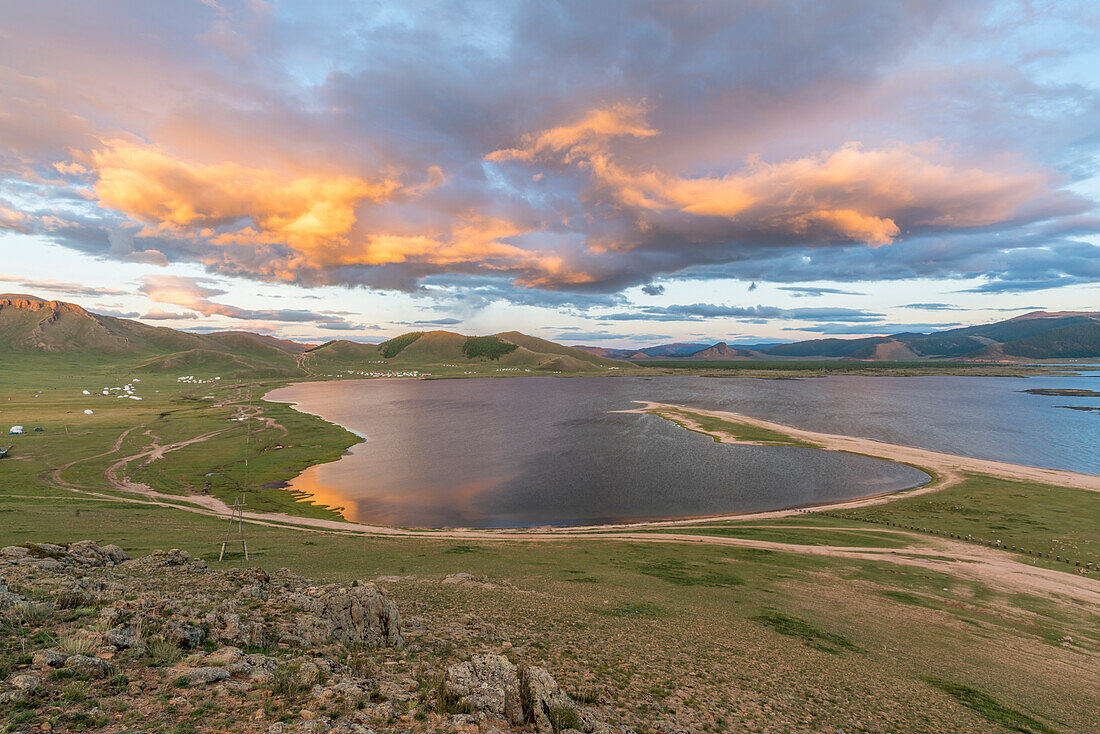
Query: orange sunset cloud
{"points": [[175, 196], [852, 194]]}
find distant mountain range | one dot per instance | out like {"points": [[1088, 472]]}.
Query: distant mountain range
{"points": [[35, 326], [1037, 335], [31, 326]]}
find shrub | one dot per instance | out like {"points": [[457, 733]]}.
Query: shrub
{"points": [[287, 681], [563, 717], [163, 652], [77, 644], [74, 692]]}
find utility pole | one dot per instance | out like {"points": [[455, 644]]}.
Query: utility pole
{"points": [[238, 517]]}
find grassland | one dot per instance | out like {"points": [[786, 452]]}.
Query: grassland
{"points": [[711, 637]]}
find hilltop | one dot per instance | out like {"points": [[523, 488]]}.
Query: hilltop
{"points": [[33, 327], [1033, 336]]}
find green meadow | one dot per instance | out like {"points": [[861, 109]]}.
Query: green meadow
{"points": [[739, 635]]}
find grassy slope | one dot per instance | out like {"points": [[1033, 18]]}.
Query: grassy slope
{"points": [[170, 412], [721, 632]]}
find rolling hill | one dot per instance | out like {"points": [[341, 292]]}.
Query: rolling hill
{"points": [[509, 349], [34, 328], [1035, 336]]}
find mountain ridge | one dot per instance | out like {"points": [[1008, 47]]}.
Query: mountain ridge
{"points": [[30, 325], [1030, 336]]}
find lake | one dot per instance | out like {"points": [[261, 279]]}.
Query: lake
{"points": [[521, 452]]}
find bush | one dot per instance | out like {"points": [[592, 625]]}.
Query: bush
{"points": [[563, 717], [288, 682], [74, 692], [163, 652], [77, 645]]}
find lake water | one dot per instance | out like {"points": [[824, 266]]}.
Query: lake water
{"points": [[521, 452]]}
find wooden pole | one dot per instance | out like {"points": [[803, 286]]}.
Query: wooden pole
{"points": [[238, 516]]}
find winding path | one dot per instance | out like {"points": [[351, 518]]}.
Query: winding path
{"points": [[994, 568]]}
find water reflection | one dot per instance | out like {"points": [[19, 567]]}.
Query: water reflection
{"points": [[544, 451]]}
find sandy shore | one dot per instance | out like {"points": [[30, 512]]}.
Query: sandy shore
{"points": [[949, 467]]}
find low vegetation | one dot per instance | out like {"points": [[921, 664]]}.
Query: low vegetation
{"points": [[395, 346], [488, 347], [709, 425]]}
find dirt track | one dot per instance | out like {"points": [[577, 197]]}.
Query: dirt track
{"points": [[994, 568]]}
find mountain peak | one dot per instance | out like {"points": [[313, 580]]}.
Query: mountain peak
{"points": [[34, 303]]}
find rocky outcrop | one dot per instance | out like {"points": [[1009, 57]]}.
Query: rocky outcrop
{"points": [[162, 637], [493, 687], [488, 683], [168, 559], [359, 615], [48, 555]]}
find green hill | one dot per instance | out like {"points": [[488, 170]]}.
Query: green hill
{"points": [[37, 331], [432, 350], [339, 354]]}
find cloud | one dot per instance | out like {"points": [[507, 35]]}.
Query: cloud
{"points": [[114, 312], [851, 194], [437, 322], [62, 288], [871, 329], [195, 294], [1023, 284], [702, 311], [653, 289], [807, 291], [229, 203], [156, 314], [558, 147], [584, 137], [579, 336]]}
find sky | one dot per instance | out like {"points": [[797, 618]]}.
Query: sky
{"points": [[615, 173]]}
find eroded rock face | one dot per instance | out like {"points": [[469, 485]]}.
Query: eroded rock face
{"points": [[361, 615], [487, 683]]}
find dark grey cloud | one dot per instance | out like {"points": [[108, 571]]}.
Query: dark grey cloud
{"points": [[1030, 256], [653, 289]]}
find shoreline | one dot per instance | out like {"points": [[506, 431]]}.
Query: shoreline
{"points": [[942, 468]]}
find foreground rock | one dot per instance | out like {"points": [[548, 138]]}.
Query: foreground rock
{"points": [[105, 643], [490, 685]]}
